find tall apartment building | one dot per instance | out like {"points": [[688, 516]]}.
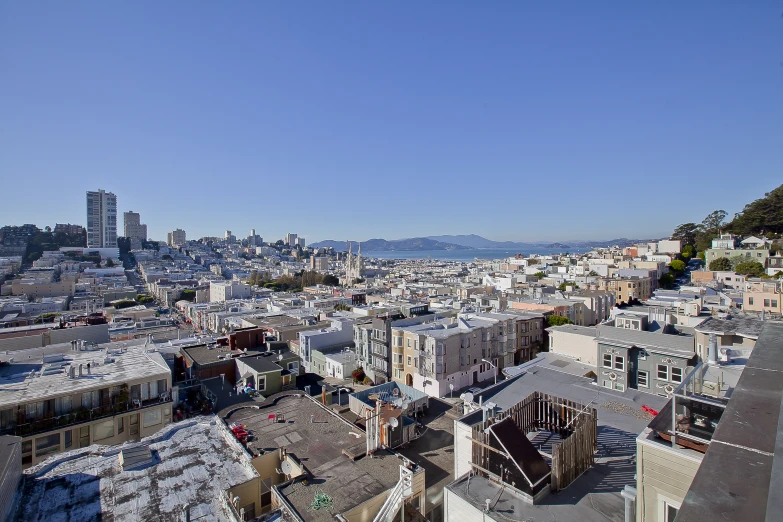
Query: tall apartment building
{"points": [[319, 263], [133, 228], [290, 239], [101, 219], [80, 397], [301, 242], [177, 238]]}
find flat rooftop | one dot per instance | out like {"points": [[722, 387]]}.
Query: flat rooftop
{"points": [[320, 439], [194, 462], [27, 378], [208, 354]]}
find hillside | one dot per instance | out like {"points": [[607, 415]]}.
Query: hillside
{"points": [[764, 215], [474, 241], [378, 245]]}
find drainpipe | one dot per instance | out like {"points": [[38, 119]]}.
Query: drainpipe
{"points": [[629, 495]]}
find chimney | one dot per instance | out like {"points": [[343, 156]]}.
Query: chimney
{"points": [[81, 372]]}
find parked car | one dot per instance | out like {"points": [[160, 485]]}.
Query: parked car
{"points": [[475, 390]]}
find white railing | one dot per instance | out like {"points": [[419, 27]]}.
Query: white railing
{"points": [[401, 491]]}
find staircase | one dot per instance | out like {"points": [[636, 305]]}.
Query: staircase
{"points": [[401, 491]]}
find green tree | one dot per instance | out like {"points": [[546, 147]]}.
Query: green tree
{"points": [[562, 286], [709, 228], [330, 280], [592, 273], [666, 280], [540, 274], [722, 264], [686, 233], [557, 320], [750, 268], [109, 262], [688, 251], [677, 265], [188, 295]]}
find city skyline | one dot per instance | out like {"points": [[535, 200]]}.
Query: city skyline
{"points": [[397, 125]]}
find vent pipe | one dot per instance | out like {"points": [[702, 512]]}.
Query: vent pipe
{"points": [[81, 372], [712, 353]]}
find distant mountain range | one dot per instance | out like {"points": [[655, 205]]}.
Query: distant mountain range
{"points": [[382, 245], [465, 242]]}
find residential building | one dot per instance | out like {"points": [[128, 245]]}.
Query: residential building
{"points": [[725, 242], [222, 291], [697, 460], [67, 228], [101, 219], [577, 342], [763, 296], [290, 240], [669, 246], [133, 227], [460, 351], [734, 336], [652, 362], [774, 264], [79, 395], [319, 263], [339, 334], [270, 372], [626, 289], [301, 242], [177, 238], [511, 454]]}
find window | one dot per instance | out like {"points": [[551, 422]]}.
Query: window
{"points": [[47, 444], [667, 509], [619, 363], [294, 367], [68, 439], [642, 380], [750, 300], [663, 372], [104, 430], [151, 417], [676, 374], [409, 360], [774, 303], [766, 303], [607, 360], [409, 343], [619, 386], [261, 383], [120, 425]]}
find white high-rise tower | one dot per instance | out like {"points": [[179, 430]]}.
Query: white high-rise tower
{"points": [[101, 219]]}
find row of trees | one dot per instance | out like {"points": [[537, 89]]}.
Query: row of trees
{"points": [[763, 216], [292, 282]]}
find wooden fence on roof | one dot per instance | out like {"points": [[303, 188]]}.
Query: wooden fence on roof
{"points": [[574, 422]]}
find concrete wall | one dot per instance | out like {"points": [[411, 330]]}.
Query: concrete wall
{"points": [[582, 347], [98, 333], [463, 448], [457, 509]]}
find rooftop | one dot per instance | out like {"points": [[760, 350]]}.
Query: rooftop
{"points": [[322, 441], [208, 354], [28, 378], [654, 341], [742, 326], [194, 462], [749, 442]]}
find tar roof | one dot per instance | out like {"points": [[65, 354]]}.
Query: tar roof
{"points": [[742, 326], [320, 439], [195, 461], [204, 354], [589, 331]]}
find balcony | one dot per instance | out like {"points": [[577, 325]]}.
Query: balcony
{"points": [[80, 416]]}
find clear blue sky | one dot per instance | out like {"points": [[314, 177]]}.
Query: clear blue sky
{"points": [[353, 120]]}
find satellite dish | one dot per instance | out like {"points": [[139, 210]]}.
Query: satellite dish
{"points": [[286, 467], [405, 405], [398, 403], [467, 397], [393, 422], [451, 386]]}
